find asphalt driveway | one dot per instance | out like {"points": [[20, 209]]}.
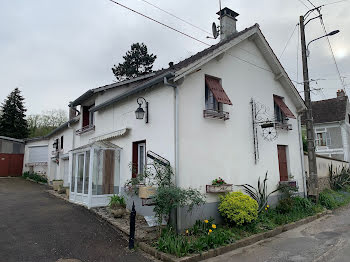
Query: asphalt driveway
{"points": [[35, 226]]}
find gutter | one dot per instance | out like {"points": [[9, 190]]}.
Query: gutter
{"points": [[82, 98], [176, 141], [152, 82]]}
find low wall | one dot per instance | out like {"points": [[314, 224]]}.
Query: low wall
{"points": [[323, 164]]}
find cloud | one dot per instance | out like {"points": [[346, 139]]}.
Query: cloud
{"points": [[56, 50]]}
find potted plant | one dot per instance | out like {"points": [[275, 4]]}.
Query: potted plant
{"points": [[117, 206], [57, 184], [218, 185]]}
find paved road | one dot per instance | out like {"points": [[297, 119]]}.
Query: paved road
{"points": [[37, 227], [326, 239]]}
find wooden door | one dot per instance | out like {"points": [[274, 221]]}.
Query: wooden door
{"points": [[282, 162], [11, 164]]}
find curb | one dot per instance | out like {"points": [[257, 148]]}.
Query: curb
{"points": [[238, 244], [41, 183]]}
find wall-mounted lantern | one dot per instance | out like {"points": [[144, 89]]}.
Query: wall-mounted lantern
{"points": [[140, 112]]}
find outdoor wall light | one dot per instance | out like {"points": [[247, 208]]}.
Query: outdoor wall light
{"points": [[140, 112]]}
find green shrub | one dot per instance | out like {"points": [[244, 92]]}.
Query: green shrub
{"points": [[285, 205], [332, 199], [116, 201], [238, 208], [35, 177], [181, 245]]}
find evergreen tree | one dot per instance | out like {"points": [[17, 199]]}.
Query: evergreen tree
{"points": [[12, 121], [137, 62]]}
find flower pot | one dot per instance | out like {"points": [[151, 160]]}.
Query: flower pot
{"points": [[118, 212], [56, 184], [67, 192], [147, 192], [219, 189]]}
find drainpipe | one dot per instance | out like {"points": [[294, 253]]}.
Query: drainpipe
{"points": [[302, 154], [176, 141]]}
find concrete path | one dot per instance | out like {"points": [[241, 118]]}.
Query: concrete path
{"points": [[326, 239], [37, 227]]}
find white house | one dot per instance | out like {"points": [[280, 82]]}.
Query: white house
{"points": [[332, 126], [49, 155], [229, 111]]}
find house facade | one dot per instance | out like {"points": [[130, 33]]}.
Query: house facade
{"points": [[229, 111], [11, 156], [332, 127]]}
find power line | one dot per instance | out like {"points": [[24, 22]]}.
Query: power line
{"points": [[285, 47], [179, 18], [304, 4], [311, 3], [336, 2], [154, 20], [330, 47], [178, 31]]}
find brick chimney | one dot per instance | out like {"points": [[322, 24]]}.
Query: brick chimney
{"points": [[228, 22], [72, 112], [341, 93]]}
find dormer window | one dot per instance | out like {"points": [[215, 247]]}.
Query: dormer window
{"points": [[87, 120], [88, 117], [215, 97]]}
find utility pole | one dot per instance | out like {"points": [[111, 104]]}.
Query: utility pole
{"points": [[313, 178]]}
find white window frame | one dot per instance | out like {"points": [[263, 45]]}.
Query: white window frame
{"points": [[140, 167]]}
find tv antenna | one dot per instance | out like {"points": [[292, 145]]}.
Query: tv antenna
{"points": [[214, 28]]}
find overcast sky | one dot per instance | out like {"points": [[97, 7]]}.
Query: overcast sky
{"points": [[56, 50]]}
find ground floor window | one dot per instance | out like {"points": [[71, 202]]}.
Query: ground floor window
{"points": [[138, 157]]}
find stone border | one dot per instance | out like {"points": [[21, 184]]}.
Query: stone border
{"points": [[34, 181], [238, 244], [204, 255]]}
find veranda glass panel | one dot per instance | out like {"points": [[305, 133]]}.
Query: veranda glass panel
{"points": [[80, 173], [97, 172], [73, 173], [106, 173], [87, 166]]}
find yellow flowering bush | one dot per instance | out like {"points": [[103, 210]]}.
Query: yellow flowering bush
{"points": [[238, 208]]}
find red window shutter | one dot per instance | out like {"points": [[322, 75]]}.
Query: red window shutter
{"points": [[284, 108], [219, 93], [86, 116]]}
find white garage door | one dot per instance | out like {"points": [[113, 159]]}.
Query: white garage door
{"points": [[38, 154]]}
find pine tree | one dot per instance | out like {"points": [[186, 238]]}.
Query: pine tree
{"points": [[12, 121], [137, 62]]}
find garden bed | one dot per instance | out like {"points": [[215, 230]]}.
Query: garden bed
{"points": [[205, 239]]}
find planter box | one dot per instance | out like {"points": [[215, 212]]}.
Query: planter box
{"points": [[56, 184], [219, 189], [147, 192]]}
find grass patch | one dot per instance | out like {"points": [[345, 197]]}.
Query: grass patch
{"points": [[202, 236], [35, 177], [331, 199]]}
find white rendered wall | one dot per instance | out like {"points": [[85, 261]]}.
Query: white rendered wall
{"points": [[40, 169], [158, 133], [210, 148]]}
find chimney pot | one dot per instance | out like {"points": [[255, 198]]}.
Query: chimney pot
{"points": [[228, 22], [341, 93]]}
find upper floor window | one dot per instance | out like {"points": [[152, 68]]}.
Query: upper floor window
{"points": [[281, 110], [322, 137], [215, 97], [88, 117]]}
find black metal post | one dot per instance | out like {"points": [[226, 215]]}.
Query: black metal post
{"points": [[132, 227]]}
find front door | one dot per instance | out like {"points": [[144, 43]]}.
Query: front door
{"points": [[282, 161]]}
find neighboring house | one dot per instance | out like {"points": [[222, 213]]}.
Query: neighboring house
{"points": [[11, 156], [49, 155], [332, 126], [229, 111]]}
